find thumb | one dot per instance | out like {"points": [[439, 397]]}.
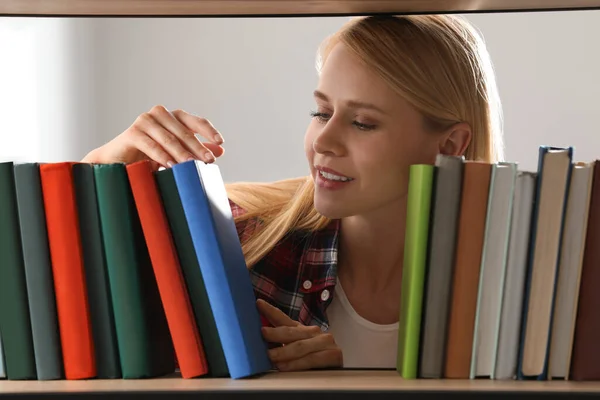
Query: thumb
{"points": [[275, 316]]}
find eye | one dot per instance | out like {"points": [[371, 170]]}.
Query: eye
{"points": [[319, 116], [364, 127]]}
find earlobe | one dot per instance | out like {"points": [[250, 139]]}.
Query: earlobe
{"points": [[456, 140]]}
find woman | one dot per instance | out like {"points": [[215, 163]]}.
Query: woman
{"points": [[325, 251]]}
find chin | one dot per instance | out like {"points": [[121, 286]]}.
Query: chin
{"points": [[332, 209]]}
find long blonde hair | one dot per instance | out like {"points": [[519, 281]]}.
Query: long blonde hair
{"points": [[439, 63]]}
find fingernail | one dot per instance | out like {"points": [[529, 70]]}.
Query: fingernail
{"points": [[170, 164], [219, 138], [209, 157]]}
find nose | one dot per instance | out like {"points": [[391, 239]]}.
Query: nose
{"points": [[330, 140]]}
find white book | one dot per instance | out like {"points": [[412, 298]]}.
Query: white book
{"points": [[493, 266], [569, 270], [505, 366]]}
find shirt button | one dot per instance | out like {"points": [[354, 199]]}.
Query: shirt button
{"points": [[325, 295], [307, 284]]}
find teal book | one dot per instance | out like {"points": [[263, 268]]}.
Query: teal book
{"points": [[96, 275], [15, 322], [143, 336]]}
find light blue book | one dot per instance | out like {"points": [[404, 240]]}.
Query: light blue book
{"points": [[493, 269], [2, 369], [223, 267]]}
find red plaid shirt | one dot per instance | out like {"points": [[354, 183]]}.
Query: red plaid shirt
{"points": [[298, 275]]}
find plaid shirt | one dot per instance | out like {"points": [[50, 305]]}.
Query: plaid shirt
{"points": [[298, 275]]}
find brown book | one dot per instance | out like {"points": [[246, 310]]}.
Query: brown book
{"points": [[465, 285], [586, 346]]}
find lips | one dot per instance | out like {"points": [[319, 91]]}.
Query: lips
{"points": [[332, 174]]}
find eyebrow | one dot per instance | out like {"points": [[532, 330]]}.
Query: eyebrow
{"points": [[351, 103]]}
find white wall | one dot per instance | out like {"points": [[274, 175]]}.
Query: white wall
{"points": [[253, 79], [547, 68]]}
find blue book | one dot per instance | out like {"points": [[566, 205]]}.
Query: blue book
{"points": [[223, 267], [554, 173]]}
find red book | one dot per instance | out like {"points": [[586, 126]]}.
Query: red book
{"points": [[68, 270], [169, 277]]}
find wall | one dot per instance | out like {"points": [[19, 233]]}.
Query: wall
{"points": [[253, 79]]}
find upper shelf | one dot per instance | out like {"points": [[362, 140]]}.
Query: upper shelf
{"points": [[278, 7]]}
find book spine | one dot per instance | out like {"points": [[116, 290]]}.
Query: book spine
{"points": [[163, 255], [38, 272], [68, 271], [227, 280]]}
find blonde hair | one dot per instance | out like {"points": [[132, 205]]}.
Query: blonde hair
{"points": [[438, 63]]}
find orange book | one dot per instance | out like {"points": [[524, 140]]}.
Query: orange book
{"points": [[169, 277], [467, 264], [68, 271]]}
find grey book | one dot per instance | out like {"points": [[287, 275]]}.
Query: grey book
{"points": [[505, 366], [38, 272], [438, 282]]}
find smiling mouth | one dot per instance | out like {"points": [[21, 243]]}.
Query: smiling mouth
{"points": [[334, 177]]}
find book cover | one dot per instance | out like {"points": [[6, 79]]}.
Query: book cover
{"points": [[223, 267], [413, 270]]}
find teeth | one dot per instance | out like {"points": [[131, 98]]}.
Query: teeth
{"points": [[333, 177]]}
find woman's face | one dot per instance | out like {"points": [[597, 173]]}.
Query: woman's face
{"points": [[362, 140]]}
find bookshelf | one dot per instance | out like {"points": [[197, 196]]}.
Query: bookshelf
{"points": [[213, 8], [326, 383], [348, 384]]}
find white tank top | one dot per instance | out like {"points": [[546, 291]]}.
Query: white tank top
{"points": [[364, 344]]}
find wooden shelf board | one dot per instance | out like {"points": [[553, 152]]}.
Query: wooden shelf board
{"points": [[278, 7], [320, 381]]}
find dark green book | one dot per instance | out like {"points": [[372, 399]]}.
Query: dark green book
{"points": [[101, 309], [38, 272], [192, 274], [145, 345], [15, 324]]}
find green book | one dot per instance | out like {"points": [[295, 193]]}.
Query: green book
{"points": [[143, 337], [15, 323], [192, 274], [101, 309], [413, 271]]}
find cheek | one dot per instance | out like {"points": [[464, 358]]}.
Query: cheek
{"points": [[308, 144]]}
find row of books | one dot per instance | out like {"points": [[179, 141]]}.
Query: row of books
{"points": [[118, 271], [500, 270]]}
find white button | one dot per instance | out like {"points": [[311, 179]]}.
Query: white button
{"points": [[325, 295], [307, 284]]}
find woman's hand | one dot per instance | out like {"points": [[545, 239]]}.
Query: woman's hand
{"points": [[304, 347], [163, 136]]}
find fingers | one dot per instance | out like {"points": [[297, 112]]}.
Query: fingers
{"points": [[289, 334], [275, 316], [302, 348], [177, 139], [200, 125], [173, 123], [329, 358], [150, 147], [164, 138], [216, 149]]}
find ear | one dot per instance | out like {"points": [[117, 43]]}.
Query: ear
{"points": [[456, 139]]}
